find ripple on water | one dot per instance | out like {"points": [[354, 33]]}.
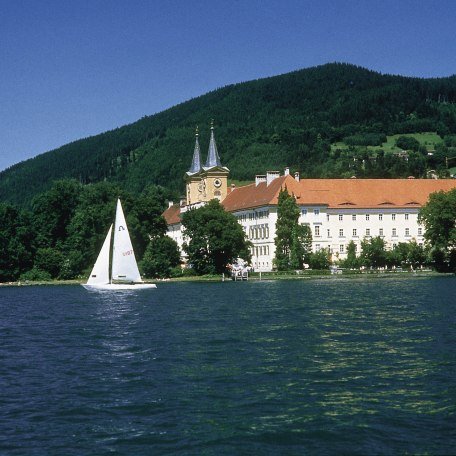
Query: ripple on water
{"points": [[324, 367]]}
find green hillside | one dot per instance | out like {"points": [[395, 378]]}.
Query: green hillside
{"points": [[304, 119]]}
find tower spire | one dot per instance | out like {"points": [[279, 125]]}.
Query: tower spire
{"points": [[213, 158], [196, 162]]}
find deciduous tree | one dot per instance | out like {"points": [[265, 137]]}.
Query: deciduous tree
{"points": [[161, 256], [215, 238], [439, 219]]}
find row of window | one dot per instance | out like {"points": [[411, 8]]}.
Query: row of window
{"points": [[252, 216], [342, 247], [260, 250], [317, 232], [353, 216], [259, 232]]}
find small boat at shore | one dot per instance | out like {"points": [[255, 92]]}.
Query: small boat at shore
{"points": [[124, 273]]}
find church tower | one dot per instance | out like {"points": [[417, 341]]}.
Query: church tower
{"points": [[214, 175], [194, 188], [207, 182]]}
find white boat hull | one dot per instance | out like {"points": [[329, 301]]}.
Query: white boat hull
{"points": [[118, 286]]}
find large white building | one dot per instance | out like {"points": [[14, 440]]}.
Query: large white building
{"points": [[337, 210]]}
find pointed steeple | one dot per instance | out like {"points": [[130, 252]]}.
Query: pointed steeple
{"points": [[196, 162], [213, 158]]}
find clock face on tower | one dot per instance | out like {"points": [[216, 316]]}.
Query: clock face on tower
{"points": [[217, 183]]}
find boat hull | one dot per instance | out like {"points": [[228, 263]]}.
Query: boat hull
{"points": [[119, 286]]}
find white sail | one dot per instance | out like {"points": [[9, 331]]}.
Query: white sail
{"points": [[124, 267], [100, 271]]}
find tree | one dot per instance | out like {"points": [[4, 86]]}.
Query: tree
{"points": [[416, 254], [407, 143], [49, 260], [286, 231], [373, 253], [352, 261], [301, 246], [161, 256], [439, 218], [320, 259], [215, 238], [16, 243], [145, 219], [53, 211]]}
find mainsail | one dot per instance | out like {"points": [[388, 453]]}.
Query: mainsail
{"points": [[100, 271], [124, 267]]}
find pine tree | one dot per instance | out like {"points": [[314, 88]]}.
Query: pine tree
{"points": [[286, 230]]}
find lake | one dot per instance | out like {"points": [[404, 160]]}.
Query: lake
{"points": [[324, 366]]}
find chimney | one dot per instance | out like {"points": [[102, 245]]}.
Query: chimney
{"points": [[286, 172], [259, 179], [170, 204], [271, 175], [296, 175]]}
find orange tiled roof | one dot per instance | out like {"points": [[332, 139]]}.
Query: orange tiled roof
{"points": [[172, 214], [340, 193], [334, 193]]}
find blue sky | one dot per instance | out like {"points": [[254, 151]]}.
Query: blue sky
{"points": [[74, 68]]}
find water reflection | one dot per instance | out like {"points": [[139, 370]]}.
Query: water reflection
{"points": [[330, 366]]}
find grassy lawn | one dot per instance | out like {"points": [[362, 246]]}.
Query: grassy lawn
{"points": [[428, 139], [239, 183]]}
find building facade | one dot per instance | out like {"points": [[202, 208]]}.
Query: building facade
{"points": [[337, 210]]}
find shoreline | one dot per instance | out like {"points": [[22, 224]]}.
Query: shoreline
{"points": [[265, 276]]}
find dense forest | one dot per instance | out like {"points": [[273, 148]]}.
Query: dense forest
{"points": [[62, 232], [321, 121]]}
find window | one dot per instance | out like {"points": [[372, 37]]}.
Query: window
{"points": [[380, 217], [304, 211], [407, 231], [317, 230], [393, 216], [406, 216], [317, 247], [367, 216], [341, 217], [356, 247], [327, 217], [316, 211], [341, 248], [368, 232], [420, 231], [354, 231], [380, 232], [329, 233], [354, 217], [394, 232], [341, 233]]}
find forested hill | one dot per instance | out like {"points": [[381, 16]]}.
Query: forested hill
{"points": [[294, 119]]}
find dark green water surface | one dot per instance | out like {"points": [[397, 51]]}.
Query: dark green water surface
{"points": [[334, 366]]}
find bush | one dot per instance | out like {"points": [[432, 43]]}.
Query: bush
{"points": [[407, 143], [161, 257], [367, 139], [320, 259], [36, 275]]}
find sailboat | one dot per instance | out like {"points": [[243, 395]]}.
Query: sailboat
{"points": [[124, 269]]}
